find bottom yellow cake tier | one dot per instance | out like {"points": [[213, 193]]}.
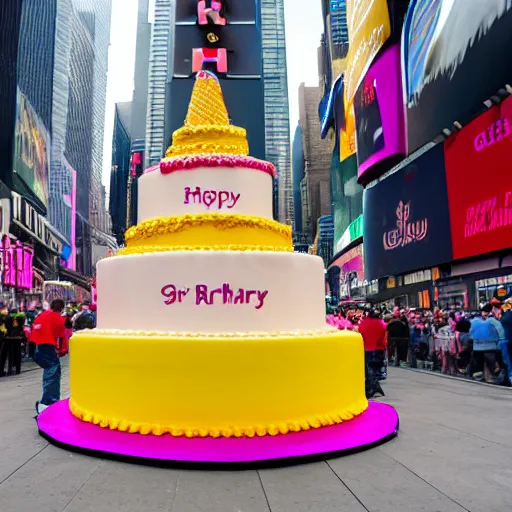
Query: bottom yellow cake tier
{"points": [[199, 385]]}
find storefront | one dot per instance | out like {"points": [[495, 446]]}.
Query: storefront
{"points": [[406, 232], [21, 284]]}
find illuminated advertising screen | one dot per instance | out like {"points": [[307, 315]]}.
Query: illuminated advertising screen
{"points": [[347, 129], [453, 62], [406, 223], [369, 27], [480, 183], [31, 149], [378, 106]]}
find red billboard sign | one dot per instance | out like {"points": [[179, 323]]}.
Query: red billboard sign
{"points": [[480, 183]]}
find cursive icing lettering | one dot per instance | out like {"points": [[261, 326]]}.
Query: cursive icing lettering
{"points": [[218, 199]]}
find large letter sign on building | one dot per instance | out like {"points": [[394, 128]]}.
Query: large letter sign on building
{"points": [[209, 18]]}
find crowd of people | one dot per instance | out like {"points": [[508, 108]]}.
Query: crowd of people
{"points": [[17, 331], [473, 345]]}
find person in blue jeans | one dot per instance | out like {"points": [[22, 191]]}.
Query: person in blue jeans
{"points": [[505, 344], [49, 336]]}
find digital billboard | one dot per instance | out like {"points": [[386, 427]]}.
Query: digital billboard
{"points": [[379, 111], [406, 224], [31, 149], [480, 183], [369, 27], [452, 62]]}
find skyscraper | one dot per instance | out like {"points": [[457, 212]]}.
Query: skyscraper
{"points": [[139, 103], [277, 119], [317, 158], [97, 14], [298, 174]]}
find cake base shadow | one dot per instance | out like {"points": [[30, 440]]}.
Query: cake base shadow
{"points": [[377, 425]]}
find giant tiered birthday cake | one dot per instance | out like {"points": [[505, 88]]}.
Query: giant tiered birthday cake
{"points": [[209, 325]]}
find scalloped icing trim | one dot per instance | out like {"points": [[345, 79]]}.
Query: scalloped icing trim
{"points": [[324, 420], [208, 139], [182, 163], [328, 331], [166, 225], [145, 249], [185, 132]]}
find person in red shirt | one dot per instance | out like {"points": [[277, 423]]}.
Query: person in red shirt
{"points": [[49, 336], [373, 330]]}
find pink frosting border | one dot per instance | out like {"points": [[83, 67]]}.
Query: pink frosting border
{"points": [[192, 162]]}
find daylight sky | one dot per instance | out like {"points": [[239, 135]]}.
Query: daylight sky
{"points": [[303, 31]]}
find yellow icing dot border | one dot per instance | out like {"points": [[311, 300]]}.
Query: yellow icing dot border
{"points": [[324, 420], [216, 335], [168, 225], [144, 249]]}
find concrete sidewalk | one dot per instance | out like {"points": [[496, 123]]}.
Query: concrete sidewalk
{"points": [[453, 454]]}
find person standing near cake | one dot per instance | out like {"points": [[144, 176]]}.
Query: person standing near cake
{"points": [[48, 333], [373, 330]]}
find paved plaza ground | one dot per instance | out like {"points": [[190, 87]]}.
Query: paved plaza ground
{"points": [[453, 453]]}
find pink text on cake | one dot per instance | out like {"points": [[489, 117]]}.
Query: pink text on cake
{"points": [[222, 295], [227, 295], [218, 198], [488, 215]]}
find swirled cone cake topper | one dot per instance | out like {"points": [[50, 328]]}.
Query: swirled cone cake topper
{"points": [[207, 129]]}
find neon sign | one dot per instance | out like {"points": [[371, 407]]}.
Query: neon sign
{"points": [[488, 216], [496, 132], [406, 232], [17, 264]]}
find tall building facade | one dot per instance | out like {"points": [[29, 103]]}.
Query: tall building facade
{"points": [[277, 118], [317, 160], [10, 21], [298, 174], [121, 148], [58, 213], [79, 133], [139, 101], [160, 64], [97, 15]]}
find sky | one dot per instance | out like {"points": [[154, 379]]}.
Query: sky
{"points": [[303, 31]]}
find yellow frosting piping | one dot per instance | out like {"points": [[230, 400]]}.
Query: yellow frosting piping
{"points": [[324, 420], [144, 249], [217, 335], [167, 225]]}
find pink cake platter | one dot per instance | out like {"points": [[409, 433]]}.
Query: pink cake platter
{"points": [[378, 424]]}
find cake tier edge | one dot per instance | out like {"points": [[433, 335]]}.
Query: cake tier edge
{"points": [[212, 291], [201, 189], [220, 386], [209, 230]]}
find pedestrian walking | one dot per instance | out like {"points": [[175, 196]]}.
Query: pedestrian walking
{"points": [[49, 336], [373, 330]]}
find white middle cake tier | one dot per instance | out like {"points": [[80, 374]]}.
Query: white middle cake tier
{"points": [[212, 292], [205, 190]]}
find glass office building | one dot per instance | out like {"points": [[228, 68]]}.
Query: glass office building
{"points": [[277, 119], [96, 14]]}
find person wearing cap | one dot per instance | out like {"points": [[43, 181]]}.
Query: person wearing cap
{"points": [[486, 333]]}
